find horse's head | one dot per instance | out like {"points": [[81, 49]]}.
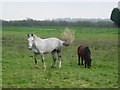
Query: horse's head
{"points": [[30, 41]]}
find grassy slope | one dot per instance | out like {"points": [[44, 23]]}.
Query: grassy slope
{"points": [[18, 71]]}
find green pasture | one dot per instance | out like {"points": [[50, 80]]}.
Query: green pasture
{"points": [[18, 63]]}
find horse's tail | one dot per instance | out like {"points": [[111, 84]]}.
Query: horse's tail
{"points": [[68, 37]]}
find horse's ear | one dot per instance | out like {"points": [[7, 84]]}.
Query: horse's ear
{"points": [[31, 34], [28, 35], [34, 36]]}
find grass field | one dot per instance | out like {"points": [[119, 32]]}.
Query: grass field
{"points": [[18, 62]]}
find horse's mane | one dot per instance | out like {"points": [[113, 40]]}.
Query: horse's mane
{"points": [[36, 38]]}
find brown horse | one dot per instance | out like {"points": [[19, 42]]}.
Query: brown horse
{"points": [[85, 54]]}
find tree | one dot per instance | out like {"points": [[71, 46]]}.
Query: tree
{"points": [[115, 16]]}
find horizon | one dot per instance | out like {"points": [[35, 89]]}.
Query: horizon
{"points": [[53, 10], [60, 19]]}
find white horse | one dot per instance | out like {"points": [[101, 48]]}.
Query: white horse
{"points": [[53, 45]]}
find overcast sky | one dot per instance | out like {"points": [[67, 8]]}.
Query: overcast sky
{"points": [[49, 10]]}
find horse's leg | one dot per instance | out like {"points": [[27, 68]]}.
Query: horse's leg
{"points": [[82, 61], [85, 64], [43, 61], [59, 58], [54, 59], [78, 59], [88, 64], [35, 57]]}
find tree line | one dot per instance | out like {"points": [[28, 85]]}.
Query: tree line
{"points": [[115, 21], [31, 22]]}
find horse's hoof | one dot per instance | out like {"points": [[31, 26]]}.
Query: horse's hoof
{"points": [[89, 67], [59, 67], [35, 67], [44, 68], [52, 66]]}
